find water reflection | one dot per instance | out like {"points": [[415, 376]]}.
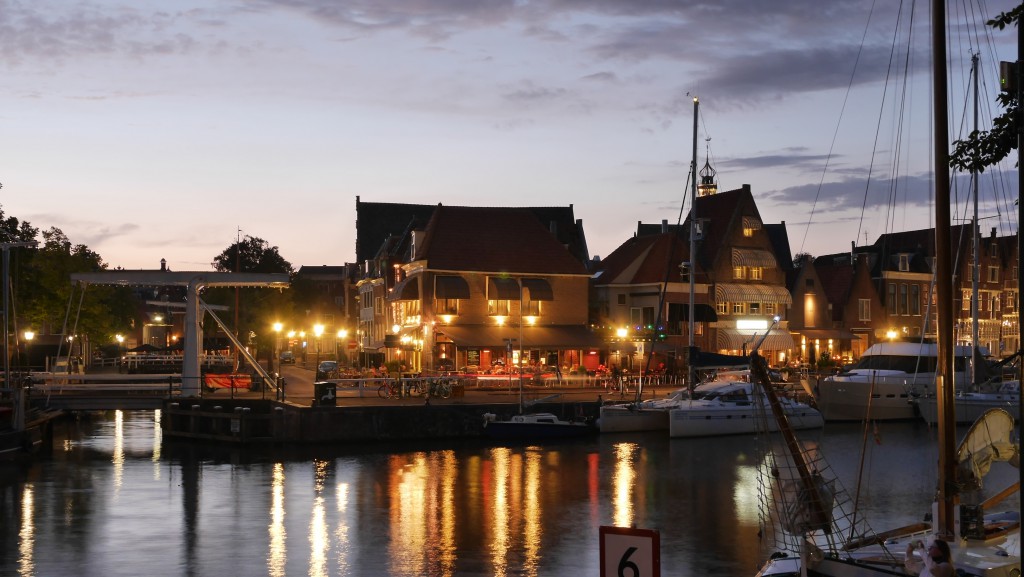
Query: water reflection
{"points": [[277, 532], [26, 533], [117, 502], [624, 482]]}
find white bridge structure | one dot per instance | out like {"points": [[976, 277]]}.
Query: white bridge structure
{"points": [[194, 282]]}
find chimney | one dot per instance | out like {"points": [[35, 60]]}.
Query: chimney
{"points": [[163, 265], [664, 225]]}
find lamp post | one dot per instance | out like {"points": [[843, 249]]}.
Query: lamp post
{"points": [[318, 330], [273, 355], [120, 349], [29, 335]]}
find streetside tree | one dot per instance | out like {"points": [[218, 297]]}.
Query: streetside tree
{"points": [[46, 300], [258, 308], [984, 148]]}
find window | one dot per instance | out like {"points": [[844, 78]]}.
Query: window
{"points": [[892, 299], [996, 303], [755, 308], [531, 308], [738, 272], [966, 299], [739, 308], [993, 274], [904, 262], [446, 306], [684, 273], [498, 308], [748, 231], [756, 273], [621, 299], [723, 308], [378, 305], [636, 317], [647, 316], [993, 250], [915, 300], [864, 309], [904, 308], [769, 308]]}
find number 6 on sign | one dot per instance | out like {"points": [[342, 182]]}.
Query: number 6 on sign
{"points": [[630, 552]]}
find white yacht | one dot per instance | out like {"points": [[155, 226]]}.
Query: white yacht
{"points": [[729, 406], [888, 377]]}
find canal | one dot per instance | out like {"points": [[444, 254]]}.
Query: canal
{"points": [[114, 499]]}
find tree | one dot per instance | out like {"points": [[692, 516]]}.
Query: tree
{"points": [[47, 295], [258, 308], [984, 148]]}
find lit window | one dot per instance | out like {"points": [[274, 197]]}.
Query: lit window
{"points": [[723, 308], [498, 308], [738, 272], [756, 273], [446, 306], [739, 308]]}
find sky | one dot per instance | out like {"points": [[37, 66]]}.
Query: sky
{"points": [[164, 130]]}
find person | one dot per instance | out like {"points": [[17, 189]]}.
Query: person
{"points": [[936, 561]]}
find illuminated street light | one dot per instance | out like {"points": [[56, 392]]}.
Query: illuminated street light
{"points": [[29, 335], [318, 330], [277, 335]]}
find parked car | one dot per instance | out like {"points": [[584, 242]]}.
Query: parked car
{"points": [[287, 358], [327, 370]]}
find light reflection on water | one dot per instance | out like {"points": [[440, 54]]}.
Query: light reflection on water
{"points": [[114, 500]]}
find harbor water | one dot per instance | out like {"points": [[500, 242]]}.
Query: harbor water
{"points": [[114, 499]]}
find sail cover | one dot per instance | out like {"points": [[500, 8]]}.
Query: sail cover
{"points": [[990, 440]]}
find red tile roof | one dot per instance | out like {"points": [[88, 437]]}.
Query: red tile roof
{"points": [[493, 239]]}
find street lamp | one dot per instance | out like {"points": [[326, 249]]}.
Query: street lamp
{"points": [[318, 330], [277, 335], [120, 348], [29, 335]]}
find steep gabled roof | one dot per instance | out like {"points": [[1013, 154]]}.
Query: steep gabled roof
{"points": [[376, 221], [511, 240], [645, 259]]}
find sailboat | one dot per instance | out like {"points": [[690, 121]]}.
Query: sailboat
{"points": [[819, 528], [983, 391]]}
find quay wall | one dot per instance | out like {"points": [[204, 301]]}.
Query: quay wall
{"points": [[267, 421]]}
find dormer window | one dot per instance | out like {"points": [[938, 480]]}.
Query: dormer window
{"points": [[904, 262]]}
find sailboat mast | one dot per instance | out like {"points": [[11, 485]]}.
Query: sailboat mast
{"points": [[943, 277], [977, 242], [691, 380]]}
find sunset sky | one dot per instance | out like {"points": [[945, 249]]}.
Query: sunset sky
{"points": [[151, 130]]}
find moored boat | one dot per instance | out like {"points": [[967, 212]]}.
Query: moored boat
{"points": [[732, 405], [535, 426], [887, 378]]}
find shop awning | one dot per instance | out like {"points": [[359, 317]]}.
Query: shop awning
{"points": [[556, 337], [753, 257], [502, 289], [824, 334], [741, 339], [450, 287], [407, 289], [752, 293], [538, 289]]}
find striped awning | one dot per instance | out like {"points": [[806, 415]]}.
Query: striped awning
{"points": [[753, 257], [752, 293], [450, 287], [407, 289], [538, 289], [502, 289], [744, 340], [752, 222]]}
